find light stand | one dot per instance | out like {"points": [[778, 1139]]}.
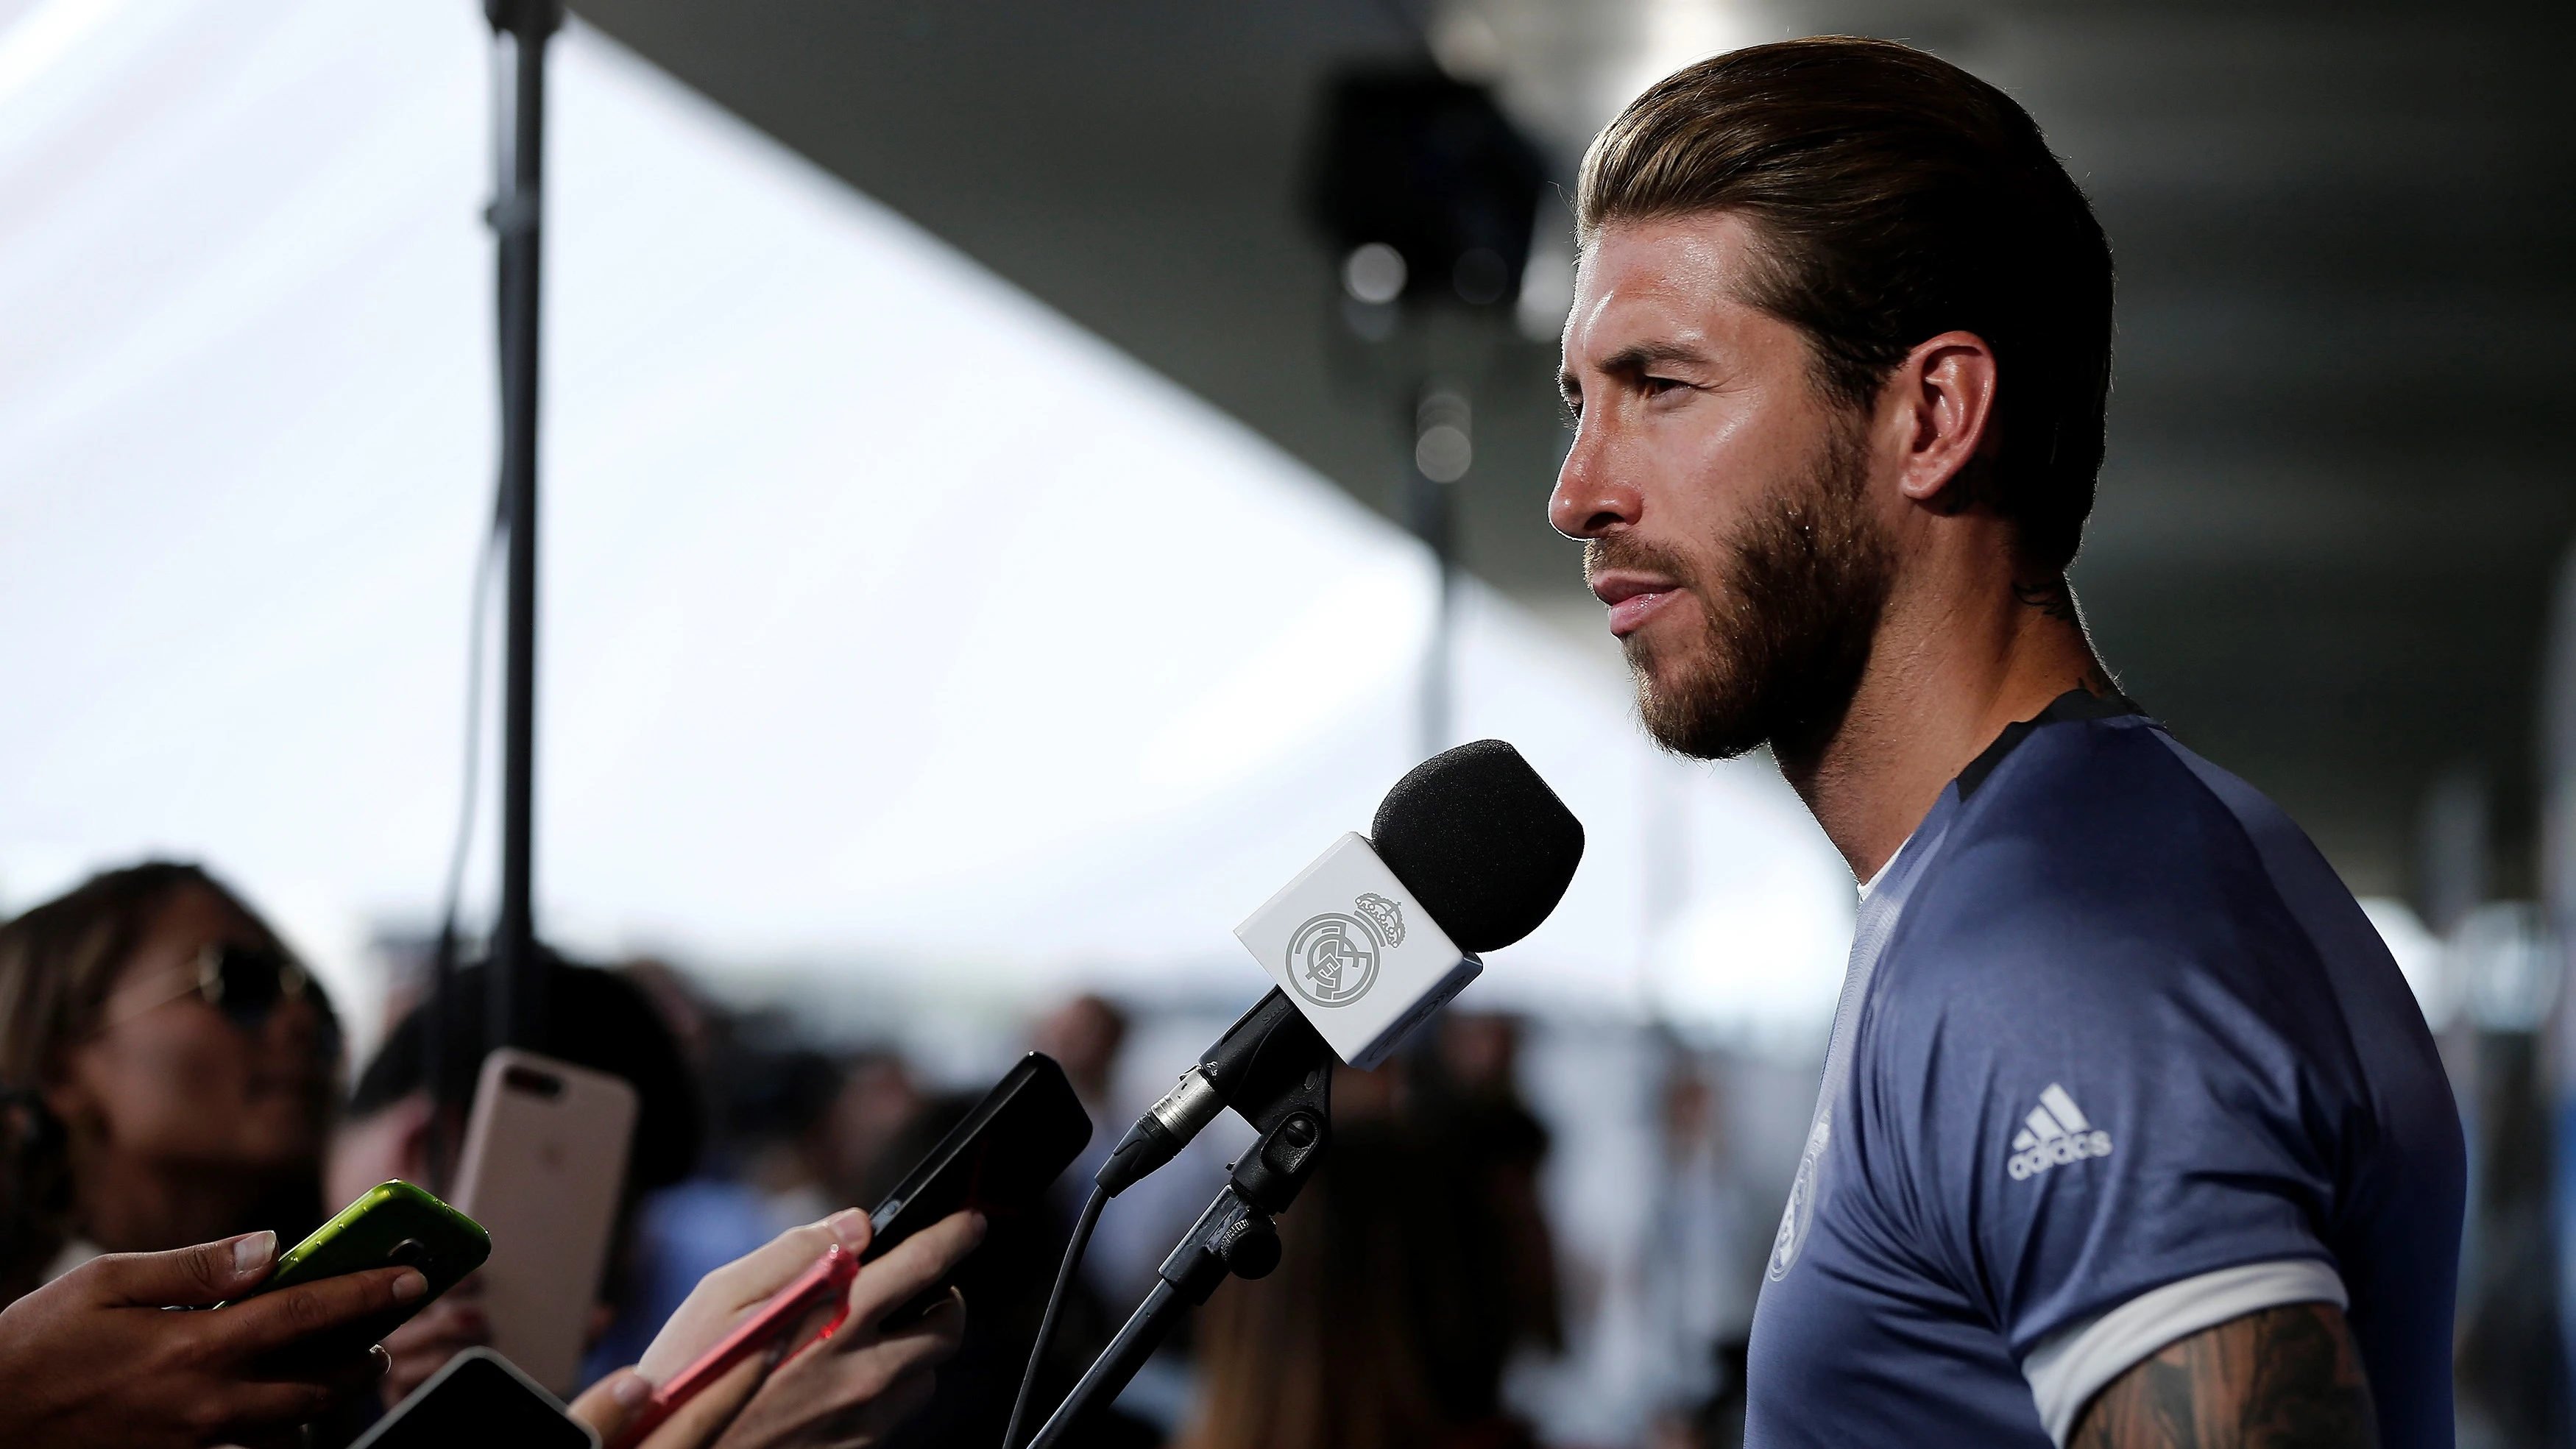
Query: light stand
{"points": [[1234, 1236], [515, 997]]}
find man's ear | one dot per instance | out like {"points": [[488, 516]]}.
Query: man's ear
{"points": [[1942, 401]]}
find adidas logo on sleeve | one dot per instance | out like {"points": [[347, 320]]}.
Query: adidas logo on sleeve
{"points": [[2055, 1133]]}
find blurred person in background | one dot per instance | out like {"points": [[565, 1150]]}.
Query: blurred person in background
{"points": [[595, 1019], [1395, 1308], [172, 1071], [1468, 1102], [1703, 1256], [872, 1115], [778, 1130], [1085, 1036], [2131, 1131]]}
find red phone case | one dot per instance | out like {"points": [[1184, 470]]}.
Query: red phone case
{"points": [[829, 1277]]}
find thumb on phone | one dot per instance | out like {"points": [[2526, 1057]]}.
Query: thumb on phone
{"points": [[611, 1404], [184, 1277]]}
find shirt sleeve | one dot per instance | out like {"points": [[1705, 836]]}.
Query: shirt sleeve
{"points": [[2107, 1102], [2069, 1367]]}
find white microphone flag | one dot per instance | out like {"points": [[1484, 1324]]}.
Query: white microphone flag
{"points": [[1357, 953]]}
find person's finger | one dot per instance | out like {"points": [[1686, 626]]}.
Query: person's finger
{"points": [[853, 1230], [913, 1265], [183, 1277], [273, 1320], [922, 1346], [702, 1418], [611, 1404]]}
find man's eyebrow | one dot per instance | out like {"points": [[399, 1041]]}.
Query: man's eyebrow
{"points": [[1635, 358], [1638, 356]]}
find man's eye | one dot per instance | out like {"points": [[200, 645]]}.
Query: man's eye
{"points": [[1658, 386]]}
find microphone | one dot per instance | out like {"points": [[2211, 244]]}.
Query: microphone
{"points": [[1468, 853]]}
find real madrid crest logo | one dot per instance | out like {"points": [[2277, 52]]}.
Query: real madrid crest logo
{"points": [[1333, 958]]}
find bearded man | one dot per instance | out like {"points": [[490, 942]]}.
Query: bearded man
{"points": [[2130, 1132]]}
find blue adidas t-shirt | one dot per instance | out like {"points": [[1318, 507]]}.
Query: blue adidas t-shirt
{"points": [[2118, 1059]]}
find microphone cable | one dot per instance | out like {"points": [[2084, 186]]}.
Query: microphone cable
{"points": [[1073, 1251]]}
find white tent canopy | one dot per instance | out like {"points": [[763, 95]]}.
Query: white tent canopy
{"points": [[891, 623]]}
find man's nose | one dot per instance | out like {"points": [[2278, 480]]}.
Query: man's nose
{"points": [[1590, 499]]}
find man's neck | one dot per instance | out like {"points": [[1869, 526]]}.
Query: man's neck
{"points": [[1945, 676]]}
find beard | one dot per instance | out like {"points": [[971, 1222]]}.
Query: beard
{"points": [[1785, 623]]}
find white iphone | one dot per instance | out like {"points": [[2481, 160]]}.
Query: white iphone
{"points": [[545, 1157]]}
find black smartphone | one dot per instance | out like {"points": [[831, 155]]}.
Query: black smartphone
{"points": [[999, 1161], [479, 1399]]}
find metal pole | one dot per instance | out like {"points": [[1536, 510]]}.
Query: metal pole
{"points": [[515, 993]]}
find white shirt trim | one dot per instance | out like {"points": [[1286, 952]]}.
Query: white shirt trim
{"points": [[1884, 866], [2070, 1366]]}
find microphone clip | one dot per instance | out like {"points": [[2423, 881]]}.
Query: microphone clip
{"points": [[1268, 1065], [1235, 1237]]}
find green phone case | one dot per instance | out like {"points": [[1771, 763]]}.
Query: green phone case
{"points": [[391, 1223]]}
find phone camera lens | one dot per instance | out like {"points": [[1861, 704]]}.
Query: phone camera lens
{"points": [[409, 1253]]}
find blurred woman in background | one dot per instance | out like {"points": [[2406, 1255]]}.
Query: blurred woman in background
{"points": [[1415, 1266], [170, 1068]]}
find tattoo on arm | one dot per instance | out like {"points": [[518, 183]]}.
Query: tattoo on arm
{"points": [[2284, 1378]]}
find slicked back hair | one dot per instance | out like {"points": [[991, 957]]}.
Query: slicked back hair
{"points": [[1894, 197]]}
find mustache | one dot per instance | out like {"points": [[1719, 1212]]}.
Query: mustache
{"points": [[1620, 551]]}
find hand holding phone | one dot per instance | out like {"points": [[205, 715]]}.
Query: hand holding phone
{"points": [[72, 1353], [861, 1379], [864, 1370], [866, 1378], [998, 1161], [391, 1225], [808, 1309]]}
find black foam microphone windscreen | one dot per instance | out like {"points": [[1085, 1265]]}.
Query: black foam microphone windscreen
{"points": [[1481, 841]]}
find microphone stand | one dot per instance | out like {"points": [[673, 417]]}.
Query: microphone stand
{"points": [[1234, 1236], [515, 993]]}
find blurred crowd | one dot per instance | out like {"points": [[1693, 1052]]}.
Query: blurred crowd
{"points": [[175, 1075], [1497, 1253]]}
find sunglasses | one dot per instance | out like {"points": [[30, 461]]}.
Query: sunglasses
{"points": [[245, 983]]}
